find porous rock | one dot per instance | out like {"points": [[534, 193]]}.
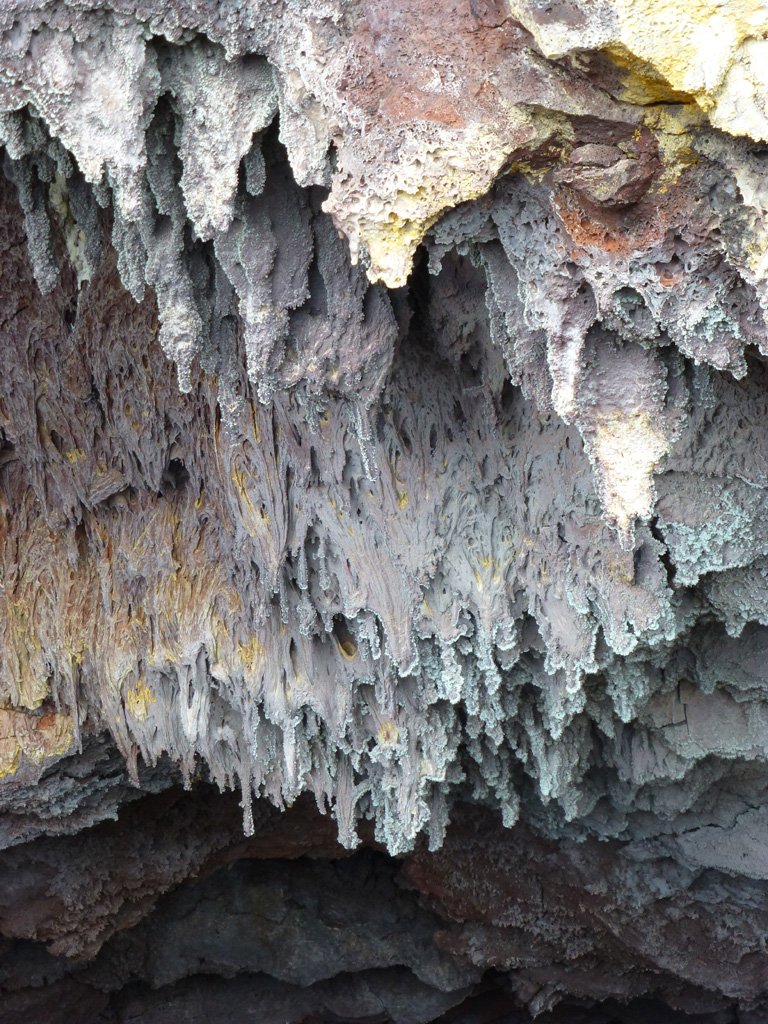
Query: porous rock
{"points": [[383, 429]]}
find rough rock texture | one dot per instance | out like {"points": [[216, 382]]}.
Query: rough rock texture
{"points": [[383, 428]]}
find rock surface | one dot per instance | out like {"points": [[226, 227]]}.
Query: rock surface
{"points": [[384, 468]]}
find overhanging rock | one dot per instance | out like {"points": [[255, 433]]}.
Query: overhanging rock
{"points": [[383, 419]]}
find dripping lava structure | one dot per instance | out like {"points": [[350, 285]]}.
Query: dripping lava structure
{"points": [[383, 511]]}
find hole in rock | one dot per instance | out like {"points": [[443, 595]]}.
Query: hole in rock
{"points": [[345, 640], [175, 477], [57, 441]]}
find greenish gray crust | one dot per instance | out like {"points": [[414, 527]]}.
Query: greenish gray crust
{"points": [[274, 517]]}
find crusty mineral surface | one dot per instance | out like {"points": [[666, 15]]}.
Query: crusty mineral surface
{"points": [[383, 511]]}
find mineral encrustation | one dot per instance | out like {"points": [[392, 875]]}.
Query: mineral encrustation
{"points": [[383, 511]]}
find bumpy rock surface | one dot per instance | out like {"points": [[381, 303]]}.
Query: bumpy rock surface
{"points": [[384, 430]]}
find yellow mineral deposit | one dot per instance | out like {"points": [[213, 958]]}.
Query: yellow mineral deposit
{"points": [[388, 734], [74, 236], [138, 700], [347, 649], [714, 52], [31, 737], [627, 448], [425, 183], [252, 655]]}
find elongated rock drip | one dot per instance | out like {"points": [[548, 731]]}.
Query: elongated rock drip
{"points": [[383, 420]]}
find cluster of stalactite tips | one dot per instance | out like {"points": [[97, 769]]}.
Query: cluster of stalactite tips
{"points": [[384, 426]]}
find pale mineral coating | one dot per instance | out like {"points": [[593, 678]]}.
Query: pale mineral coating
{"points": [[488, 526], [712, 52]]}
